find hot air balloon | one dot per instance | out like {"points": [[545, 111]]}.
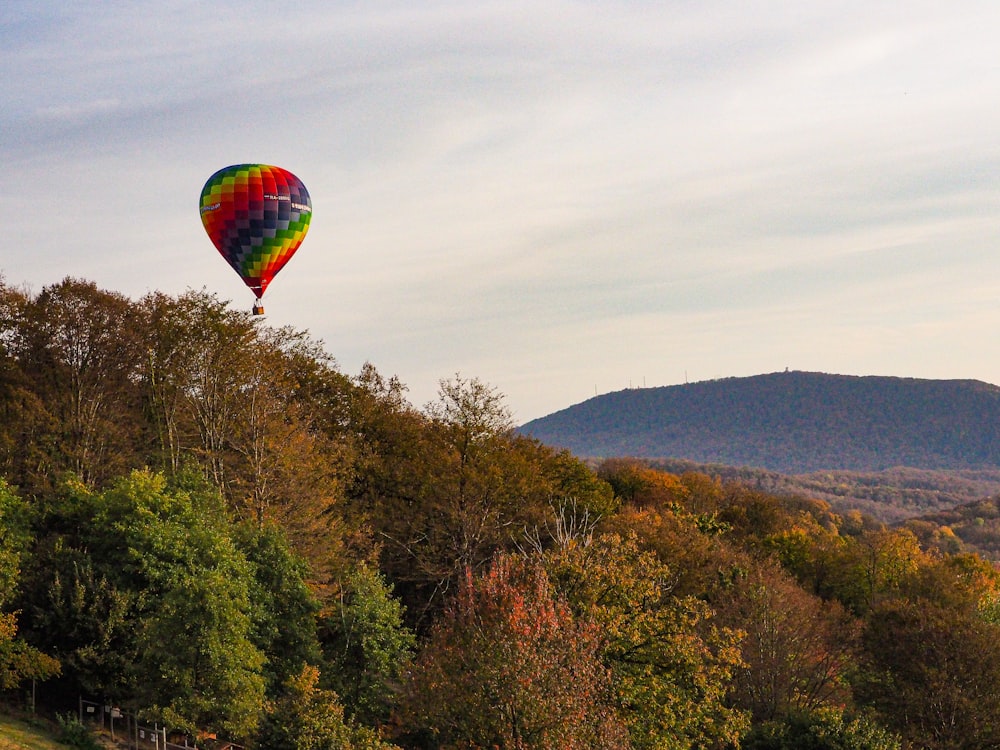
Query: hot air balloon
{"points": [[256, 216]]}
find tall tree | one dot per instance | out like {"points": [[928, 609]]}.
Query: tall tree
{"points": [[798, 651], [447, 489], [23, 418], [81, 350], [366, 645]]}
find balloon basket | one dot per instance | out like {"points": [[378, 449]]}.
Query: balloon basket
{"points": [[258, 308]]}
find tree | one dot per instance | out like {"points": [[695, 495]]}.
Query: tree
{"points": [[308, 717], [283, 609], [862, 571], [700, 557], [471, 482], [639, 485], [143, 590], [825, 729], [18, 660], [289, 468], [797, 650], [82, 353], [261, 409], [448, 489], [200, 666], [670, 666], [23, 417], [933, 673], [168, 371], [213, 377], [509, 667], [366, 645]]}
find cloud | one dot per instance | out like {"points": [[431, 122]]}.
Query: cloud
{"points": [[553, 196]]}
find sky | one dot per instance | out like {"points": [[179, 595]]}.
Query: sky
{"points": [[561, 199]]}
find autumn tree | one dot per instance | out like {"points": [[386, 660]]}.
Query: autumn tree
{"points": [[933, 673], [639, 485], [169, 370], [261, 409], [798, 651], [696, 547], [23, 418], [862, 571], [508, 666], [446, 489], [79, 347], [671, 666], [212, 375], [290, 467]]}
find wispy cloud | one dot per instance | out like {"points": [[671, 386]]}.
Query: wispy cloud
{"points": [[555, 196]]}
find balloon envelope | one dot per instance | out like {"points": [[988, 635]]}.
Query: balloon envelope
{"points": [[256, 216]]}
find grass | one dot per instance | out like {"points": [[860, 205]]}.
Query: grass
{"points": [[20, 735]]}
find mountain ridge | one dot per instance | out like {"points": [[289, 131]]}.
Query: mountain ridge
{"points": [[790, 422]]}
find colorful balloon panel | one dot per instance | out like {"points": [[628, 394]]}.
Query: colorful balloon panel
{"points": [[256, 216]]}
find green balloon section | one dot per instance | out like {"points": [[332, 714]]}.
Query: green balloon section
{"points": [[256, 216]]}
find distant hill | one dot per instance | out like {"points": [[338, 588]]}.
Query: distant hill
{"points": [[790, 422]]}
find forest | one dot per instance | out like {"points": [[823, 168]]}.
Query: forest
{"points": [[205, 522]]}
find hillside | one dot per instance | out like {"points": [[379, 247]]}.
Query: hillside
{"points": [[891, 495], [203, 520], [16, 734], [790, 422]]}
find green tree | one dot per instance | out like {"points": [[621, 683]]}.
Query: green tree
{"points": [[671, 667], [308, 717], [824, 729], [283, 609], [143, 590], [200, 668], [18, 660], [367, 646]]}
